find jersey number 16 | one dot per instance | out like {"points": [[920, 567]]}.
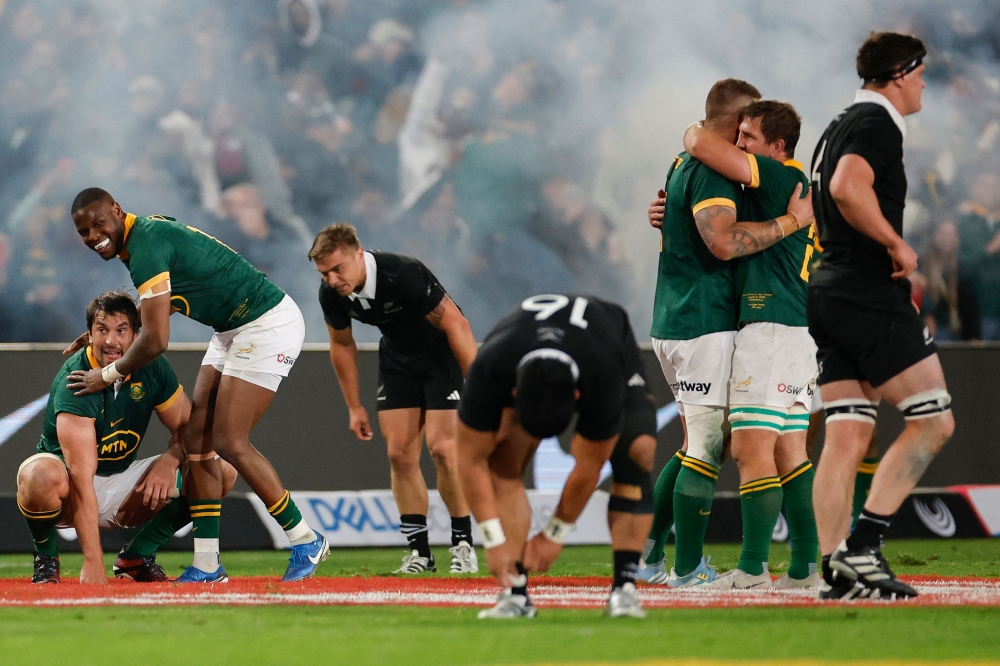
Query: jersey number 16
{"points": [[546, 305]]}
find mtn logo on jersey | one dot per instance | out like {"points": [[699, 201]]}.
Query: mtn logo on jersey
{"points": [[693, 387], [636, 380], [454, 396]]}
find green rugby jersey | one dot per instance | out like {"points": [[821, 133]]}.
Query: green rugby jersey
{"points": [[120, 419], [695, 292], [773, 283], [209, 281]]}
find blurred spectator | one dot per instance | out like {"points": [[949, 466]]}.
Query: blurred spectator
{"points": [[979, 249], [950, 305]]}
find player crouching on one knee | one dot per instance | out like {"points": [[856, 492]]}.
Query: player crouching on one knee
{"points": [[544, 362], [87, 474]]}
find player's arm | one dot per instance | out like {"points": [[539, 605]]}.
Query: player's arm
{"points": [[852, 189], [447, 317], [344, 356], [154, 336], [78, 441], [727, 238], [719, 155], [160, 482]]}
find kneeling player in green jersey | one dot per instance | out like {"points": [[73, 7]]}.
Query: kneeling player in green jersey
{"points": [[87, 474], [774, 363], [259, 333]]}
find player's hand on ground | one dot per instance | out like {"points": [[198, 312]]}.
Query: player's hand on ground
{"points": [[904, 260], [656, 209], [77, 344], [157, 486], [540, 553], [93, 573], [359, 423], [500, 561], [82, 382], [801, 207]]}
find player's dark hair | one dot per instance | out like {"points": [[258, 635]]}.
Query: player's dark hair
{"points": [[889, 55], [778, 120], [89, 196], [332, 238], [727, 98], [545, 397], [113, 303]]}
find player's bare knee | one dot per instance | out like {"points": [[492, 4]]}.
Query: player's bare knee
{"points": [[643, 452], [404, 458], [229, 476], [444, 453], [42, 481]]}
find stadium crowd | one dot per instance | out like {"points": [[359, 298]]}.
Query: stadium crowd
{"points": [[431, 125]]}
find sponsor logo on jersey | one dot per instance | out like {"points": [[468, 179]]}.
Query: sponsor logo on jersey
{"points": [[135, 390], [743, 385], [928, 338], [636, 380], [454, 396], [936, 516], [244, 352], [550, 334], [287, 360], [789, 389], [695, 387]]}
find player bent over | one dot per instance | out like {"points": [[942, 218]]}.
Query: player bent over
{"points": [[425, 351], [774, 362], [872, 343], [87, 474], [556, 355], [258, 335]]}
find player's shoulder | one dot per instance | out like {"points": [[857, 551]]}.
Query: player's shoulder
{"points": [[155, 368], [391, 264]]}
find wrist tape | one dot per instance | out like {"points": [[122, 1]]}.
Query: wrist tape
{"points": [[557, 530], [493, 535], [110, 374]]}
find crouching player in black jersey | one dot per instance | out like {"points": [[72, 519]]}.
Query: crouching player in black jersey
{"points": [[556, 355], [87, 473], [426, 348], [871, 342]]}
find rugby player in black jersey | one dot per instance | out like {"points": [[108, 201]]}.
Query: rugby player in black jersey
{"points": [[871, 342], [556, 355], [426, 348]]}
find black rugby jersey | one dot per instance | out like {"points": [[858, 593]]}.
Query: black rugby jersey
{"points": [[405, 292], [596, 334], [853, 263]]}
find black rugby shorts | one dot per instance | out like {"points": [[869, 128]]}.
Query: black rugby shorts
{"points": [[866, 339], [428, 381]]}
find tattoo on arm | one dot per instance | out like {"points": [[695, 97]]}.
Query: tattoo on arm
{"points": [[729, 239], [437, 314]]}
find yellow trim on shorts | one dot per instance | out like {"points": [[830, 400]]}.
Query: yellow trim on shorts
{"points": [[153, 281], [168, 403], [715, 201], [754, 171]]}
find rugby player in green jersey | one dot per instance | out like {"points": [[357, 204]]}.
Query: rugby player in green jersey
{"points": [[695, 313], [774, 363], [258, 335], [87, 473]]}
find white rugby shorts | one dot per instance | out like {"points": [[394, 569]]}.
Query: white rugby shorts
{"points": [[774, 365], [698, 370], [263, 351]]}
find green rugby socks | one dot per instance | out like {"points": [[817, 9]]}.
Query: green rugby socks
{"points": [[663, 508], [760, 501], [42, 525], [802, 536], [693, 495], [160, 528], [288, 517], [863, 485]]}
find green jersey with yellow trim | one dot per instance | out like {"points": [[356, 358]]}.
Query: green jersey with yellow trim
{"points": [[695, 292], [772, 284], [209, 281], [120, 412]]}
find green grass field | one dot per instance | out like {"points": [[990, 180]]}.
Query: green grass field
{"points": [[402, 635]]}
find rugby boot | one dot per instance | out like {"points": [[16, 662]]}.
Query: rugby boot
{"points": [[705, 573], [464, 558], [786, 582], [305, 558], [508, 607], [46, 569], [624, 602], [737, 579], [654, 574], [196, 575], [868, 567], [138, 568], [845, 590], [415, 564]]}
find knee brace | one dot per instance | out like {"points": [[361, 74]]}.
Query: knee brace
{"points": [[705, 430], [925, 405], [634, 495], [760, 417], [851, 409]]}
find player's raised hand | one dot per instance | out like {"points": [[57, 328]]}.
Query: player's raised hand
{"points": [[77, 344], [540, 553], [904, 260], [83, 382], [359, 423], [656, 209], [801, 207], [93, 573]]}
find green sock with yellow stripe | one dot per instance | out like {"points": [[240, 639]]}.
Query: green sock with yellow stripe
{"points": [[206, 514], [862, 486], [760, 501], [803, 539], [693, 495], [42, 525], [663, 507], [290, 519]]}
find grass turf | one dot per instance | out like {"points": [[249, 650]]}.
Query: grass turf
{"points": [[293, 634]]}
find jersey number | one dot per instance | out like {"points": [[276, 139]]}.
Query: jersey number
{"points": [[547, 305], [807, 260]]}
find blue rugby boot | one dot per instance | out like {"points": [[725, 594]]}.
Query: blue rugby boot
{"points": [[196, 575], [654, 574], [305, 558], [705, 573]]}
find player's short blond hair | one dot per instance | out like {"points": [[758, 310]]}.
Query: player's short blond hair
{"points": [[333, 238]]}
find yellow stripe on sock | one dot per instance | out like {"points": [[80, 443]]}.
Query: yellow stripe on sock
{"points": [[867, 468], [776, 484], [281, 504], [795, 472], [705, 470], [206, 514], [680, 454], [759, 482], [39, 515]]}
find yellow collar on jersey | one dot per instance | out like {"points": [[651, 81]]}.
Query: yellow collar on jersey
{"points": [[94, 365], [793, 163], [129, 222]]}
